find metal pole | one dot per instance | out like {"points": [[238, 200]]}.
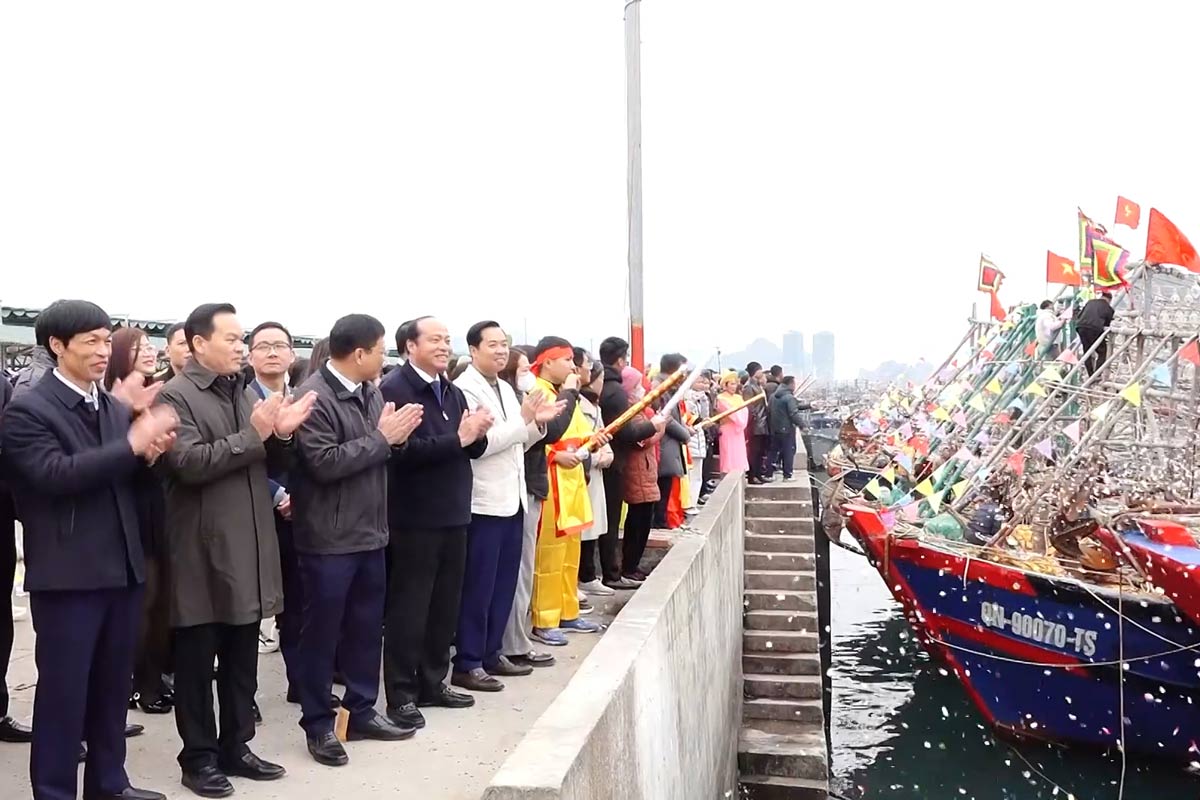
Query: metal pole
{"points": [[633, 110]]}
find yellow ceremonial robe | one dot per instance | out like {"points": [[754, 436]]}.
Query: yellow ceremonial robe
{"points": [[565, 513]]}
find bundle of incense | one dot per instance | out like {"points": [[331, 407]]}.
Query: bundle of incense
{"points": [[713, 420], [637, 408]]}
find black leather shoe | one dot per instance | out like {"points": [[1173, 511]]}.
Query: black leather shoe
{"points": [[448, 698], [133, 729], [379, 728], [208, 782], [406, 716], [535, 660], [477, 680], [508, 669], [14, 732], [156, 706], [134, 794], [326, 749], [248, 765]]}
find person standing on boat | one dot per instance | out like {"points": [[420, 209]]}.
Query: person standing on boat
{"points": [[1094, 319]]}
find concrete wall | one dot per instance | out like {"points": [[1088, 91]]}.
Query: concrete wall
{"points": [[653, 713]]}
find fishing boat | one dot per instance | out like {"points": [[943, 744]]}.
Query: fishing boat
{"points": [[1043, 538]]}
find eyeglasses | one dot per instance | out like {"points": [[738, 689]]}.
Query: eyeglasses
{"points": [[266, 348], [145, 347]]}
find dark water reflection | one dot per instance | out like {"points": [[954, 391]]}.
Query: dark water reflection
{"points": [[904, 729]]}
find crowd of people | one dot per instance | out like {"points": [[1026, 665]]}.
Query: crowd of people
{"points": [[440, 527]]}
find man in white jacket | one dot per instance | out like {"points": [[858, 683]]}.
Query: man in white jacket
{"points": [[498, 506]]}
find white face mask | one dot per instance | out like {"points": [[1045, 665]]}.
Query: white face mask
{"points": [[526, 382]]}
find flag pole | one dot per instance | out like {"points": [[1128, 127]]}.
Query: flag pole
{"points": [[633, 112]]}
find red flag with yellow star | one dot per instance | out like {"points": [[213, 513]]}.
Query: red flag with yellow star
{"points": [[1129, 213], [1062, 270]]}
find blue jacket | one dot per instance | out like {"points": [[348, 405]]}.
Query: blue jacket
{"points": [[77, 502], [429, 480]]}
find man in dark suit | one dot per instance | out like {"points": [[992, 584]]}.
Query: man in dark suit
{"points": [[339, 488], [10, 729], [72, 452], [429, 509]]}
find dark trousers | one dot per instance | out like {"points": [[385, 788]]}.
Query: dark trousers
{"points": [[665, 482], [8, 569], [493, 564], [785, 445], [235, 648], [84, 656], [756, 454], [425, 584], [1087, 338], [343, 615], [609, 542], [638, 520], [154, 634], [289, 621]]}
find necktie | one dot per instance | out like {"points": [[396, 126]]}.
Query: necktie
{"points": [[436, 385]]}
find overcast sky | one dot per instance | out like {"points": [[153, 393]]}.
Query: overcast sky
{"points": [[807, 165]]}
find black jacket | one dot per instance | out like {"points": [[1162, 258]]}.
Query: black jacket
{"points": [[1095, 315], [429, 480], [76, 499], [339, 483], [785, 410], [614, 403], [537, 472]]}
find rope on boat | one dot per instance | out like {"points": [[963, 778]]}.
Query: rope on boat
{"points": [[1070, 795], [1079, 665], [1121, 682]]}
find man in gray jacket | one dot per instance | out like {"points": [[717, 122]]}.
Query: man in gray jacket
{"points": [[222, 550], [340, 526], [785, 419]]}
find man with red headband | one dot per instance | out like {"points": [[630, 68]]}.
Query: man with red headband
{"points": [[566, 512]]}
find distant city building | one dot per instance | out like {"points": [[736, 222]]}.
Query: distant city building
{"points": [[822, 355], [795, 358]]}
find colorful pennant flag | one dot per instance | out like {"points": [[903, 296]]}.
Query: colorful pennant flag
{"points": [[1045, 447], [994, 387], [1101, 411], [1132, 394], [941, 414], [1072, 431], [990, 276], [935, 502], [1129, 213], [905, 461], [1191, 353], [1068, 357], [1035, 389], [1017, 462], [873, 488], [1110, 260], [1161, 375], [925, 487], [910, 513], [1166, 244], [889, 474], [960, 488], [960, 418], [976, 402]]}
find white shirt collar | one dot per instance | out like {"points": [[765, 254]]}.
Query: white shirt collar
{"points": [[92, 397], [350, 385], [425, 376]]}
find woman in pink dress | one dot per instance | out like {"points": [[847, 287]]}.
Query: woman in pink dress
{"points": [[733, 428]]}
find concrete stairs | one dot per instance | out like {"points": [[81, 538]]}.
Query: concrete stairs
{"points": [[782, 753]]}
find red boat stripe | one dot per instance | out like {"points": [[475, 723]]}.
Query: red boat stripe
{"points": [[995, 575]]}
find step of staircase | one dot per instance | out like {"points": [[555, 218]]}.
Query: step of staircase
{"points": [[794, 526], [770, 787], [781, 664], [793, 687], [769, 619], [779, 543], [780, 642], [786, 562], [799, 755], [800, 490], [758, 509], [774, 579], [779, 600], [784, 711]]}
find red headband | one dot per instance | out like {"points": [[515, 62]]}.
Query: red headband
{"points": [[548, 354]]}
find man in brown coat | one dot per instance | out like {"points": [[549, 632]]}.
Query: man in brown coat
{"points": [[222, 548]]}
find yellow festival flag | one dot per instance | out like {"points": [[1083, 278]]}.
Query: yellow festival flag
{"points": [[941, 414], [873, 488], [1035, 388], [977, 403], [994, 387], [960, 488], [1132, 394], [935, 502], [889, 474], [925, 487]]}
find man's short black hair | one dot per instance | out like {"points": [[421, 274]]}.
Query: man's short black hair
{"points": [[475, 332], [612, 350], [1046, 304], [175, 328], [670, 363], [64, 319], [408, 332], [352, 332], [776, 371], [1107, 296], [549, 342], [266, 326], [789, 380], [581, 355], [200, 321], [753, 368]]}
